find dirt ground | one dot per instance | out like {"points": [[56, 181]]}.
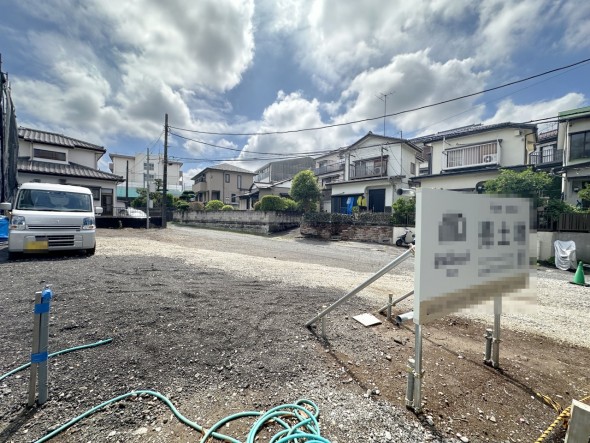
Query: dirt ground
{"points": [[216, 344]]}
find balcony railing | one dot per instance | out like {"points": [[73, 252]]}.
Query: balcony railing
{"points": [[477, 155], [332, 167], [364, 170], [546, 156]]}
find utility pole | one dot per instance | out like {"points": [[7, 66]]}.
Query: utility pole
{"points": [[165, 184], [127, 182], [147, 182], [383, 98]]}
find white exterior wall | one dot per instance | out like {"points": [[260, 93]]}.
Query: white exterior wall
{"points": [[459, 181], [512, 146], [137, 170], [80, 156]]}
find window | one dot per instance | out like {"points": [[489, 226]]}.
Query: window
{"points": [[413, 168], [227, 178], [239, 181], [233, 198], [148, 177], [95, 193], [151, 166], [49, 155], [580, 145]]}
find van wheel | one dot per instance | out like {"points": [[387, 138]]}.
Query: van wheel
{"points": [[91, 251], [14, 255]]}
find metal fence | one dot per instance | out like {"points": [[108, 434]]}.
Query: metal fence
{"points": [[569, 222]]}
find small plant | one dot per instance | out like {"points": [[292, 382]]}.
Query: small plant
{"points": [[214, 205], [257, 206], [227, 208]]}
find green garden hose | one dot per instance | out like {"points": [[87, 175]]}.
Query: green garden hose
{"points": [[63, 351], [305, 429]]}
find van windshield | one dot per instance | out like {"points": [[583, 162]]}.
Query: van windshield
{"points": [[59, 201]]}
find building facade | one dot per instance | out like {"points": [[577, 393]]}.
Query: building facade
{"points": [[222, 182]]}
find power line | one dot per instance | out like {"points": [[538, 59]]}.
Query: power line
{"points": [[392, 114]]}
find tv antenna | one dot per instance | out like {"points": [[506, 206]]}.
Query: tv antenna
{"points": [[383, 98]]}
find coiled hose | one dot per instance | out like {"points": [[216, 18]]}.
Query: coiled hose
{"points": [[298, 420], [305, 429]]}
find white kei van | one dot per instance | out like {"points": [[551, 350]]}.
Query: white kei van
{"points": [[48, 217]]}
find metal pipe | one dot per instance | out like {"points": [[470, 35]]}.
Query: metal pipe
{"points": [[396, 301], [410, 388], [399, 319], [364, 284], [389, 303], [35, 350], [418, 370], [488, 337], [496, 334]]}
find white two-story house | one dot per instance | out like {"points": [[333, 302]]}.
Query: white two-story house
{"points": [[47, 157], [374, 167], [463, 159]]}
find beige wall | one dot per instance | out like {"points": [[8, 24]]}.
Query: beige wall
{"points": [[215, 182]]}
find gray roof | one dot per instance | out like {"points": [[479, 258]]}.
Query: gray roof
{"points": [[66, 170], [51, 138], [224, 167], [471, 129]]}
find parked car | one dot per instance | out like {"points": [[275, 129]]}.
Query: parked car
{"points": [[132, 212]]}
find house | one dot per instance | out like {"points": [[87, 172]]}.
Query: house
{"points": [[329, 169], [48, 157], [223, 182], [281, 170], [139, 171], [574, 139], [374, 167], [546, 156], [259, 189], [463, 159]]}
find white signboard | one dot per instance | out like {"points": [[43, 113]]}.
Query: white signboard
{"points": [[469, 249]]}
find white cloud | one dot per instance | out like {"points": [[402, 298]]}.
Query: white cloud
{"points": [[509, 111]]}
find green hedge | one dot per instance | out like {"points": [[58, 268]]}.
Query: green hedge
{"points": [[363, 219]]}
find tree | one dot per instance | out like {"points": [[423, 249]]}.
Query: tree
{"points": [[306, 191], [537, 186], [584, 196], [403, 210]]}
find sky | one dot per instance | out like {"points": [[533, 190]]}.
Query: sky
{"points": [[107, 72]]}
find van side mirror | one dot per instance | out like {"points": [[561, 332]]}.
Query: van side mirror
{"points": [[5, 206], [98, 210]]}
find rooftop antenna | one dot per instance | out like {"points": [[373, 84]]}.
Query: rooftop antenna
{"points": [[383, 98]]}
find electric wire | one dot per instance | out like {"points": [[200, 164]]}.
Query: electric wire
{"points": [[581, 62]]}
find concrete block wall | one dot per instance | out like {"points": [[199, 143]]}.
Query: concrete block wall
{"points": [[258, 222], [363, 233], [545, 244]]}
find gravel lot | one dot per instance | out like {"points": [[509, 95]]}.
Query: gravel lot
{"points": [[215, 321]]}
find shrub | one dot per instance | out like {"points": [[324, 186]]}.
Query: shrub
{"points": [[214, 205], [227, 208], [257, 206], [291, 205], [182, 205], [196, 206], [272, 203]]}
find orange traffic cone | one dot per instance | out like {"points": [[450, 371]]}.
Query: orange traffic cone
{"points": [[579, 276]]}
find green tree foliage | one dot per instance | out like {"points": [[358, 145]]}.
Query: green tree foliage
{"points": [[214, 205], [257, 206], [404, 206], [306, 191], [555, 207], [227, 208], [181, 205], [196, 206], [188, 196], [155, 198], [291, 205], [584, 196], [272, 203], [527, 184]]}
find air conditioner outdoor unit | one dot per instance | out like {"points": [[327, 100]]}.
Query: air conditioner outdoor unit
{"points": [[377, 169], [490, 158]]}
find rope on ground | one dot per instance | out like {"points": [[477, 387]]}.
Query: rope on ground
{"points": [[565, 414]]}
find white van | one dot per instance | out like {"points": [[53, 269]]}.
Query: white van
{"points": [[47, 217]]}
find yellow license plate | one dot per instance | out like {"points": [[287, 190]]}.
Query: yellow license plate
{"points": [[37, 245]]}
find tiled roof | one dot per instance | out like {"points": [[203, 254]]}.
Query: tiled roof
{"points": [[224, 167], [468, 130], [66, 170], [50, 138]]}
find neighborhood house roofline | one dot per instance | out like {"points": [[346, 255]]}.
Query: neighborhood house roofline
{"points": [[470, 130], [132, 157], [51, 138], [223, 167], [24, 164], [573, 114], [388, 140]]}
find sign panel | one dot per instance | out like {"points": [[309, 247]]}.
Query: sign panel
{"points": [[469, 249]]}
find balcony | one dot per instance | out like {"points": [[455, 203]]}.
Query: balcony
{"points": [[484, 154], [546, 156], [368, 169], [326, 169]]}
